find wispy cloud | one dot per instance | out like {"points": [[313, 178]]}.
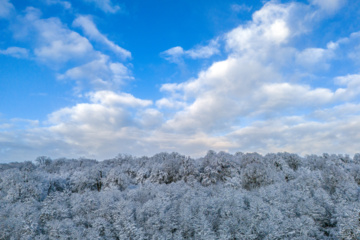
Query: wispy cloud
{"points": [[93, 33], [240, 7], [109, 98], [5, 8], [329, 6], [65, 4], [15, 52], [105, 5], [53, 42], [55, 45], [176, 54]]}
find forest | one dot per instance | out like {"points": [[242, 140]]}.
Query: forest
{"points": [[172, 196]]}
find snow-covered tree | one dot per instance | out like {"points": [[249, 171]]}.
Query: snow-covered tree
{"points": [[170, 196]]}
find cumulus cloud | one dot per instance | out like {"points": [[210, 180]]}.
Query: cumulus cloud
{"points": [[106, 111], [100, 73], [252, 84], [314, 57], [296, 134], [16, 52], [278, 97], [217, 93], [169, 103], [107, 123], [109, 98], [93, 33], [105, 5], [176, 54], [269, 28], [352, 83], [343, 111], [54, 43]]}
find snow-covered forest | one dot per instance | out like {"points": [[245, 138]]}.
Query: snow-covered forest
{"points": [[171, 196]]}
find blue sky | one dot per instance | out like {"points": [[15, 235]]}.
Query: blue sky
{"points": [[91, 78]]}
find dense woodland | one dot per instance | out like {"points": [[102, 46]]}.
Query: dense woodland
{"points": [[171, 196]]}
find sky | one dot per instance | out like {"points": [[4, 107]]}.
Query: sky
{"points": [[98, 78]]}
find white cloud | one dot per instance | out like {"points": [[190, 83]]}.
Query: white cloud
{"points": [[280, 96], [106, 111], [110, 123], [250, 84], [169, 103], [65, 4], [55, 44], [93, 33], [176, 54], [342, 111], [352, 83], [310, 57], [240, 7], [99, 74], [219, 94], [109, 98], [15, 52], [204, 51], [105, 5], [269, 28], [329, 6], [299, 135], [5, 8], [5, 126], [151, 118]]}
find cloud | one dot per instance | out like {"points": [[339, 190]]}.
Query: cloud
{"points": [[6, 8], [109, 98], [253, 82], [93, 33], [342, 111], [296, 134], [204, 51], [105, 5], [352, 83], [237, 88], [240, 7], [314, 57], [329, 6], [59, 47], [218, 95], [65, 4], [176, 54], [269, 28], [100, 73], [107, 123], [169, 103], [280, 95], [16, 52], [54, 43], [106, 111]]}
